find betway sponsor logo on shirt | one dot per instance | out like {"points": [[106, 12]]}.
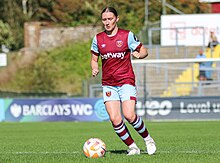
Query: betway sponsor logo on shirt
{"points": [[120, 55]]}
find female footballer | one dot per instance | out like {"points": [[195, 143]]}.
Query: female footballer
{"points": [[114, 46]]}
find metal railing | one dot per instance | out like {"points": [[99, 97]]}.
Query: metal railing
{"points": [[172, 75], [154, 77]]}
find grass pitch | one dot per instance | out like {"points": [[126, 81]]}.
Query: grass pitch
{"points": [[61, 142]]}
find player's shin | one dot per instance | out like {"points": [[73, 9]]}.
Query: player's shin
{"points": [[139, 126], [123, 133]]}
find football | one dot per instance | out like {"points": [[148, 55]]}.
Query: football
{"points": [[94, 148]]}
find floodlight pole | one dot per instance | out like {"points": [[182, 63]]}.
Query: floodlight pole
{"points": [[164, 7], [146, 13], [144, 71]]}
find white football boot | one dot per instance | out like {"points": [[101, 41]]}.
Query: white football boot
{"points": [[133, 150], [151, 145]]}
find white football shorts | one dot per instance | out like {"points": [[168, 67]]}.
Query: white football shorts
{"points": [[119, 93]]}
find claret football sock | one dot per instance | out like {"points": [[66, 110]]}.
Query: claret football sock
{"points": [[139, 126], [122, 131]]}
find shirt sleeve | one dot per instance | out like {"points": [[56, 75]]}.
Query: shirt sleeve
{"points": [[94, 47], [133, 42]]}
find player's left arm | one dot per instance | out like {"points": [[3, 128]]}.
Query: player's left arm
{"points": [[137, 49], [141, 53]]}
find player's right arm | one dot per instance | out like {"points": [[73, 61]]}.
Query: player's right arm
{"points": [[94, 65], [94, 57]]}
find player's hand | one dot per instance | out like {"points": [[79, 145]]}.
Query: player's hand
{"points": [[95, 72], [136, 54]]}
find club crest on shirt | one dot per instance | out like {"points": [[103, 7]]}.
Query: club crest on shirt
{"points": [[108, 94], [119, 43], [103, 45]]}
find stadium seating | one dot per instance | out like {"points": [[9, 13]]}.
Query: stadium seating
{"points": [[181, 86]]}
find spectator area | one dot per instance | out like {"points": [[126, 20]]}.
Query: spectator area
{"points": [[187, 80]]}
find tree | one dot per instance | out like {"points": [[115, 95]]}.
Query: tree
{"points": [[6, 35], [77, 12], [11, 14]]}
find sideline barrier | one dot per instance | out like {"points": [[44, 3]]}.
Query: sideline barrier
{"points": [[181, 108], [52, 109], [93, 109]]}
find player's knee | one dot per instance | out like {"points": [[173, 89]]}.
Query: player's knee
{"points": [[129, 117], [115, 120]]}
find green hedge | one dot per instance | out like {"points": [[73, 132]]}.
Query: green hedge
{"points": [[62, 70]]}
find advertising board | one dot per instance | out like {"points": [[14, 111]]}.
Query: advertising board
{"points": [[193, 29], [93, 109]]}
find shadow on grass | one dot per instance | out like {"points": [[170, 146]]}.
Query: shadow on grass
{"points": [[122, 151], [117, 151]]}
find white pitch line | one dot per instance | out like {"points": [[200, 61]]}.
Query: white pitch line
{"points": [[74, 152], [189, 152], [77, 152]]}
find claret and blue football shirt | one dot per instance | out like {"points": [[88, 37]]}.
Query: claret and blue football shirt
{"points": [[115, 54]]}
